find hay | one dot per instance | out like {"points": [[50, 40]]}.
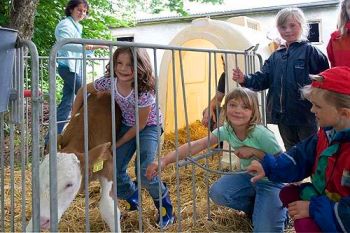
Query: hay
{"points": [[221, 219], [196, 130]]}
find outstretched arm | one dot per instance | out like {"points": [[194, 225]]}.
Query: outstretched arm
{"points": [[183, 151]]}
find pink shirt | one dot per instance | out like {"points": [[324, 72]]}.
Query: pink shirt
{"points": [[127, 104]]}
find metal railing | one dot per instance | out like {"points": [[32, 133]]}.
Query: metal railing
{"points": [[33, 75]]}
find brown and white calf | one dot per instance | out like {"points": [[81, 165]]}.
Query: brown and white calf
{"points": [[71, 162]]}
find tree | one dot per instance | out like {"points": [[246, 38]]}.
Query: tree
{"points": [[36, 20], [96, 26], [19, 15], [156, 6]]}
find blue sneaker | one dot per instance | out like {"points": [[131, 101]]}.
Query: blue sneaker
{"points": [[166, 216], [133, 201]]}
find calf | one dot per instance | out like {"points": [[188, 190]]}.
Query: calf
{"points": [[71, 162]]}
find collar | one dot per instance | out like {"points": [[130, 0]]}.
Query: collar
{"points": [[334, 136], [284, 46], [76, 24]]}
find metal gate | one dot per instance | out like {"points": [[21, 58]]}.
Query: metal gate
{"points": [[22, 131]]}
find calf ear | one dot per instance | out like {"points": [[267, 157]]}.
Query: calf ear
{"points": [[98, 155], [59, 141]]}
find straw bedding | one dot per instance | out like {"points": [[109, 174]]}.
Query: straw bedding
{"points": [[221, 219]]}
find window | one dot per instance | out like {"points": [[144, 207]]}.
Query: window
{"points": [[315, 32], [126, 38]]}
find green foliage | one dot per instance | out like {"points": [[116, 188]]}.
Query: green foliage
{"points": [[96, 26], [157, 6], [4, 12]]}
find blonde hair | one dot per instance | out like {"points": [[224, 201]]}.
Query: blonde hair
{"points": [[250, 99], [343, 18], [331, 97], [297, 14]]}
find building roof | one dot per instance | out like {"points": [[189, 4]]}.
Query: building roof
{"points": [[230, 10]]}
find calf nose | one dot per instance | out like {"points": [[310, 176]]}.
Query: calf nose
{"points": [[44, 223]]}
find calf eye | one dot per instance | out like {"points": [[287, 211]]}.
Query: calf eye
{"points": [[68, 185]]}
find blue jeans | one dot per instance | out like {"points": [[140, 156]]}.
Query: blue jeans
{"points": [[148, 149], [260, 200], [291, 135], [71, 84]]}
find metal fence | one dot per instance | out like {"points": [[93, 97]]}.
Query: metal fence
{"points": [[23, 126]]}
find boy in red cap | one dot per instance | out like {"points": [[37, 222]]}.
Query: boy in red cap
{"points": [[324, 203]]}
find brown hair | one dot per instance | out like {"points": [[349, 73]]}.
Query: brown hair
{"points": [[73, 4], [250, 99], [145, 78], [333, 98], [343, 18]]}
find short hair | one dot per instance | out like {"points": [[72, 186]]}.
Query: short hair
{"points": [[73, 4], [297, 14], [331, 97], [250, 99]]}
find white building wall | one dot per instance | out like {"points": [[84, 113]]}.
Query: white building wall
{"points": [[163, 32]]}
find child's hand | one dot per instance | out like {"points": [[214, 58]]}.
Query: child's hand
{"points": [[245, 152], [152, 169], [237, 76], [256, 168], [205, 119], [299, 209]]}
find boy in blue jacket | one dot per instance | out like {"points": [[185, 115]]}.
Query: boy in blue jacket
{"points": [[324, 204]]}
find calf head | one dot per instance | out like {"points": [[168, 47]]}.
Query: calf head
{"points": [[70, 175]]}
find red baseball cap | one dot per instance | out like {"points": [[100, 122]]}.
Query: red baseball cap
{"points": [[336, 79]]}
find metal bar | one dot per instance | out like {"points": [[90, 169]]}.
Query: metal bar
{"points": [[114, 136], [60, 43], [179, 228], [2, 172], [86, 141], [36, 105], [12, 178], [53, 139], [159, 133], [23, 134], [188, 136], [137, 116], [206, 161]]}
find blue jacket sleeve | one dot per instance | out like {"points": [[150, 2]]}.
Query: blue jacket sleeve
{"points": [[330, 216], [260, 80], [342, 213], [293, 165], [65, 30], [318, 62]]}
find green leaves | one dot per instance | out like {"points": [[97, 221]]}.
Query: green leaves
{"points": [[49, 13], [157, 6]]}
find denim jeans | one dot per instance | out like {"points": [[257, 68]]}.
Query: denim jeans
{"points": [[259, 200], [71, 84], [148, 149], [291, 135]]}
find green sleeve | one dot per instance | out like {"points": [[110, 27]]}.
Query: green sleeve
{"points": [[267, 141], [221, 133]]}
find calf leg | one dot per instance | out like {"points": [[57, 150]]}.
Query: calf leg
{"points": [[106, 206]]}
